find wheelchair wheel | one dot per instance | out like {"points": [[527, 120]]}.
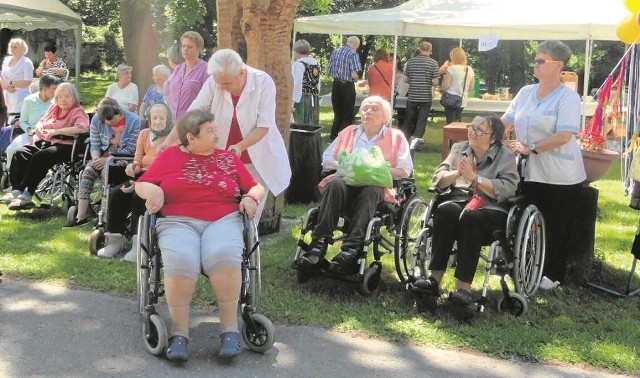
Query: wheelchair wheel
{"points": [[72, 211], [96, 239], [142, 270], [370, 279], [407, 246], [155, 338], [50, 189], [515, 305], [529, 251], [261, 339]]}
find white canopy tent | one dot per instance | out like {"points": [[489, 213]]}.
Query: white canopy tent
{"points": [[587, 20], [42, 14]]}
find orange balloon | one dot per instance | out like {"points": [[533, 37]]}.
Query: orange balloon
{"points": [[632, 5], [628, 30]]}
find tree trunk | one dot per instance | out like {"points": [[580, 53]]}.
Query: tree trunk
{"points": [[266, 26], [140, 41], [516, 66]]}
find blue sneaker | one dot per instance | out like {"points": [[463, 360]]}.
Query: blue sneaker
{"points": [[230, 345], [177, 349]]}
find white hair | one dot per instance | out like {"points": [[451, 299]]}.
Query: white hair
{"points": [[225, 62], [386, 106], [161, 70], [353, 41]]}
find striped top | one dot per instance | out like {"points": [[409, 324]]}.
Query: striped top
{"points": [[100, 135], [421, 70], [343, 62]]}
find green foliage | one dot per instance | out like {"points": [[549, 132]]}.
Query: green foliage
{"points": [[97, 12]]}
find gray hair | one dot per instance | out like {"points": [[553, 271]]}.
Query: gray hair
{"points": [[225, 62], [386, 106], [123, 67], [556, 49], [190, 122], [161, 70], [174, 55], [301, 46], [71, 88], [353, 41]]}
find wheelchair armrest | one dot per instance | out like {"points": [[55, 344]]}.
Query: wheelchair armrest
{"points": [[516, 200], [122, 156], [326, 173]]}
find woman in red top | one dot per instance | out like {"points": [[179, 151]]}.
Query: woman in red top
{"points": [[380, 74], [198, 188]]}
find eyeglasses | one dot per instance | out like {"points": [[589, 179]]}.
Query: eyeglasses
{"points": [[543, 61], [478, 132]]}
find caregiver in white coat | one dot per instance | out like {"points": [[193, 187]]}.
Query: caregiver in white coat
{"points": [[243, 101]]}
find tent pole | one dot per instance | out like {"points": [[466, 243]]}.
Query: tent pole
{"points": [[585, 80], [393, 69], [78, 34]]}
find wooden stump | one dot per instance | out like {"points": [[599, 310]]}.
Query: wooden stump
{"points": [[582, 237]]}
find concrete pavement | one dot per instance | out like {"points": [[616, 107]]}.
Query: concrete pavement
{"points": [[50, 330]]}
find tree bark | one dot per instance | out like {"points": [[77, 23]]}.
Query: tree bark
{"points": [[140, 41], [266, 26], [516, 66]]}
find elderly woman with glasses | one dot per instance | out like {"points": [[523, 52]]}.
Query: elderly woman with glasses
{"points": [[546, 117], [123, 90], [476, 179]]}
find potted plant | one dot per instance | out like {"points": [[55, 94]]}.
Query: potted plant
{"points": [[597, 159]]}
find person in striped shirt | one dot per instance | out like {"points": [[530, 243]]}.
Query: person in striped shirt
{"points": [[344, 65], [422, 74]]}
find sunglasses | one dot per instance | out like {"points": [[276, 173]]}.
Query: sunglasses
{"points": [[543, 61], [478, 132]]}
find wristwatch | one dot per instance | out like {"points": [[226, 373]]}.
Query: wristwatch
{"points": [[532, 147]]}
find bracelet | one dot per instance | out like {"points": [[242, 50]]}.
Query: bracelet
{"points": [[253, 198]]}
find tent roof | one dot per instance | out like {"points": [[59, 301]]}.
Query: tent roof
{"points": [[469, 19], [37, 14]]}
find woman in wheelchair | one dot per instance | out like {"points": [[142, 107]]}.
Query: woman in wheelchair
{"points": [[52, 143], [359, 203], [124, 200], [480, 175], [113, 131], [198, 188]]}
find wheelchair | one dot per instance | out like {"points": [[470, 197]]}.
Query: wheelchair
{"points": [[61, 180], [400, 222], [519, 252], [257, 330], [99, 201]]}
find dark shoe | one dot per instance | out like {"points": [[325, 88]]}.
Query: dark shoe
{"points": [[345, 262], [177, 349], [77, 222], [314, 256], [427, 286], [229, 345], [461, 297]]}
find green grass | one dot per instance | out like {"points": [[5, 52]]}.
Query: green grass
{"points": [[570, 325], [93, 87]]}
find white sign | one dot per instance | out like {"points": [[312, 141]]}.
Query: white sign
{"points": [[487, 42]]}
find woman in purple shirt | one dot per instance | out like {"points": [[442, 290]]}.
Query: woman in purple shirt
{"points": [[188, 77]]}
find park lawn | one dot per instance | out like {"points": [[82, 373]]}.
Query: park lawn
{"points": [[568, 325]]}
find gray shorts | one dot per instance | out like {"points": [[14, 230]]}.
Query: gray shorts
{"points": [[190, 246]]}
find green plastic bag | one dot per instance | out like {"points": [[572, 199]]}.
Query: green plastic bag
{"points": [[365, 168]]}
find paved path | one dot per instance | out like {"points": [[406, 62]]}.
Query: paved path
{"points": [[50, 330]]}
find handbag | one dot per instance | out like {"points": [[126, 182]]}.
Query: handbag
{"points": [[449, 100], [364, 167]]}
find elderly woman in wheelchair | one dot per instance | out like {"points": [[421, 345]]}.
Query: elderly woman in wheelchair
{"points": [[52, 143], [358, 203], [199, 190], [475, 179]]}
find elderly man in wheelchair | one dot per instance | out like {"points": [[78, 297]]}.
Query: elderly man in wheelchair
{"points": [[358, 203], [474, 181]]}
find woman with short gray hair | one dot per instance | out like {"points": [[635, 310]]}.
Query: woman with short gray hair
{"points": [[124, 91], [156, 91]]}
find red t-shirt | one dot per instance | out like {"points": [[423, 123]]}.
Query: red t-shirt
{"points": [[197, 186], [235, 135]]}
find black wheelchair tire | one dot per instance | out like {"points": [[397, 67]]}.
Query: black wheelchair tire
{"points": [[515, 304], [403, 239], [96, 240], [370, 280]]}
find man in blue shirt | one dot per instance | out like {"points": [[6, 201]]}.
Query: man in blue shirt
{"points": [[344, 65]]}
